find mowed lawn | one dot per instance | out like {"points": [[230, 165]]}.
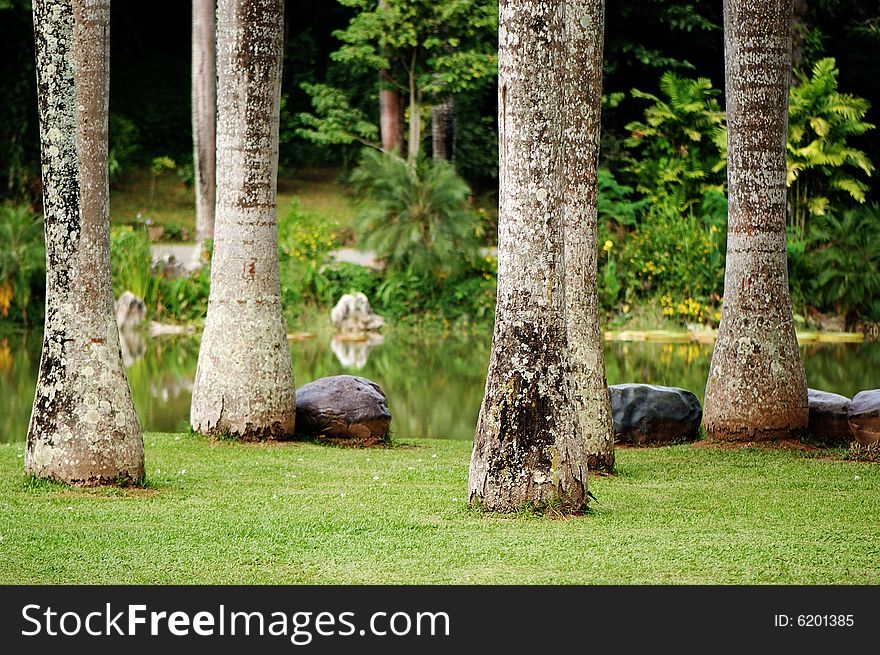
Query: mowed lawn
{"points": [[223, 512]]}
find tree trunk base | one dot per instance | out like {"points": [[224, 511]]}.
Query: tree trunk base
{"points": [[720, 431]]}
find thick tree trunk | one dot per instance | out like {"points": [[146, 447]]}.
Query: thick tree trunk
{"points": [[390, 115], [443, 129], [204, 114], [530, 444], [582, 70], [84, 429], [756, 387], [244, 380]]}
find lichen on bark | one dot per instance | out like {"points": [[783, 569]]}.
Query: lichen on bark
{"points": [[244, 384], [545, 393], [83, 429], [756, 387]]}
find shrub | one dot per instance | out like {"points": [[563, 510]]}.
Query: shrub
{"points": [[305, 242], [846, 258], [672, 258], [22, 261], [820, 161], [131, 263], [678, 151], [416, 216]]}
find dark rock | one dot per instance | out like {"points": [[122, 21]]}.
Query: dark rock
{"points": [[650, 414], [828, 418], [864, 417], [344, 407]]}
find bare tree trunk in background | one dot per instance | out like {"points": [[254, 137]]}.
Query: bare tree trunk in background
{"points": [[390, 111], [443, 129], [204, 114], [756, 387], [244, 380], [414, 138], [84, 429], [585, 26], [800, 31], [390, 115], [541, 403]]}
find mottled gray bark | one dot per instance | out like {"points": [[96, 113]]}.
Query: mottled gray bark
{"points": [[204, 114], [84, 429], [539, 404], [582, 79], [443, 129], [244, 380], [756, 387]]}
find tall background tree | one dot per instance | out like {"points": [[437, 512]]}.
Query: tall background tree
{"points": [[83, 429], [204, 113], [756, 387], [244, 381], [530, 444], [425, 50]]}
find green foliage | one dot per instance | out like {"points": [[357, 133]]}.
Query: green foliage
{"points": [[846, 260], [184, 298], [131, 263], [425, 49], [22, 261], [821, 164], [448, 47], [124, 146], [305, 241], [678, 258], [678, 150], [617, 203], [335, 120], [416, 216]]}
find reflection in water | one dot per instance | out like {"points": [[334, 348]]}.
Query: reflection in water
{"points": [[353, 352], [133, 346], [434, 385]]}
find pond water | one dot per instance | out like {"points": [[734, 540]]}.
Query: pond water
{"points": [[434, 384]]}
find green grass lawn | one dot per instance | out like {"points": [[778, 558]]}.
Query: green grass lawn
{"points": [[317, 191], [303, 513]]}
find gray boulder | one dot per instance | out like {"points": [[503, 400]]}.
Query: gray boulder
{"points": [[130, 311], [864, 417], [343, 407], [353, 314], [649, 414], [828, 417]]}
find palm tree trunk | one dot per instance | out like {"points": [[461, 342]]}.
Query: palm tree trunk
{"points": [[204, 114], [756, 387], [530, 443], [84, 429], [584, 23], [244, 380]]}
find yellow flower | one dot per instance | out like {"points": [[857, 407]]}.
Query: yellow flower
{"points": [[608, 245]]}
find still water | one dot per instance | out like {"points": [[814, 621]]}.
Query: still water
{"points": [[434, 384]]}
